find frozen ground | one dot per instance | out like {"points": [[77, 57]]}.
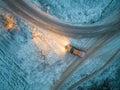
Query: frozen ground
{"points": [[32, 59], [94, 63], [78, 11]]}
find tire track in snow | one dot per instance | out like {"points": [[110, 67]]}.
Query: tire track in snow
{"points": [[95, 72], [77, 63], [9, 65], [31, 19], [5, 79], [25, 11]]}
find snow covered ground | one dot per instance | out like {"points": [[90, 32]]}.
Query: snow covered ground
{"points": [[78, 11], [34, 59]]}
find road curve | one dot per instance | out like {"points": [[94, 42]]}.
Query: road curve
{"points": [[41, 20]]}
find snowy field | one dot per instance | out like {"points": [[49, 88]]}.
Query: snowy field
{"points": [[34, 59], [78, 11]]}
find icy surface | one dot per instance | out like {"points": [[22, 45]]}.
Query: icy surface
{"points": [[33, 59]]}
